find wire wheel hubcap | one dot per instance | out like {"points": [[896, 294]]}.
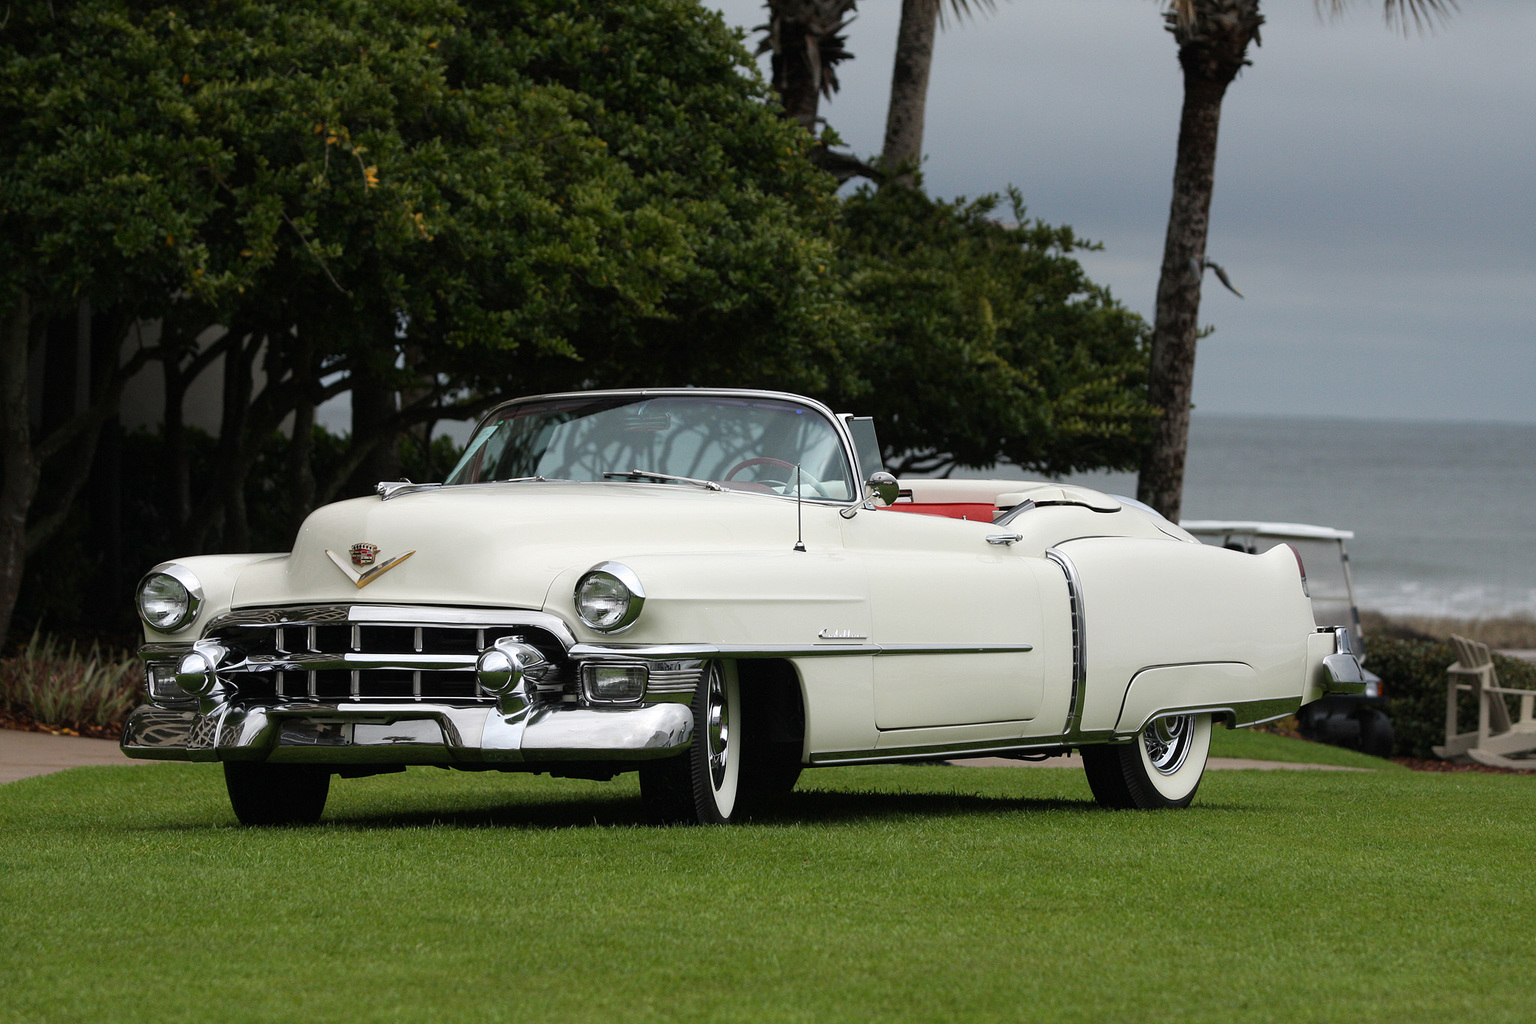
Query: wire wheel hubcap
{"points": [[1167, 742]]}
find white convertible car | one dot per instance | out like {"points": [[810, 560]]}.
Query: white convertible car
{"points": [[717, 589]]}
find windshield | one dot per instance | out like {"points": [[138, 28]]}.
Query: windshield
{"points": [[743, 443]]}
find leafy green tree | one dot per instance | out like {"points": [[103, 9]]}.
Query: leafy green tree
{"points": [[991, 343], [395, 195]]}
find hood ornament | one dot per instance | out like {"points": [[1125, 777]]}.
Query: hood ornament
{"points": [[364, 555]]}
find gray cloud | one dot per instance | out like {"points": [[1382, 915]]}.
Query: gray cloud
{"points": [[1374, 193]]}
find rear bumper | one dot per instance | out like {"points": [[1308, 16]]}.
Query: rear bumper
{"points": [[1332, 667], [408, 733]]}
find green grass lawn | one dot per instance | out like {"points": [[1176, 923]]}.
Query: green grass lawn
{"points": [[892, 893], [1264, 746]]}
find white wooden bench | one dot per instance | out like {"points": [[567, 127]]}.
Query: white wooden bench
{"points": [[1496, 736]]}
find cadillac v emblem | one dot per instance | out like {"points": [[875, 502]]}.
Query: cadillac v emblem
{"points": [[363, 556]]}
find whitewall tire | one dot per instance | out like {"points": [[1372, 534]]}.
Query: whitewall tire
{"points": [[702, 785], [1160, 768]]}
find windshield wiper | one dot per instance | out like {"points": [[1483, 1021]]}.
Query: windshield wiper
{"points": [[645, 474], [533, 479]]}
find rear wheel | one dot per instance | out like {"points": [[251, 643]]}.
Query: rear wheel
{"points": [[276, 794], [701, 785], [1160, 768]]}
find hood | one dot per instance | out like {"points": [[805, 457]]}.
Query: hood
{"points": [[504, 544]]}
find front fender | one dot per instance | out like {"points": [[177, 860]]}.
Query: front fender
{"points": [[734, 599]]}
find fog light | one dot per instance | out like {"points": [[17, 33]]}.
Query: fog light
{"points": [[161, 677], [613, 684]]}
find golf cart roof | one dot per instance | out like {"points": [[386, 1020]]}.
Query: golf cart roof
{"points": [[1281, 531]]}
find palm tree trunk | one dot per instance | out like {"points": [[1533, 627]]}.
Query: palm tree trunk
{"points": [[805, 39], [903, 150], [1161, 481], [1213, 48]]}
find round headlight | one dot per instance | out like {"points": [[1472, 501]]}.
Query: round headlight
{"points": [[609, 597], [169, 597]]}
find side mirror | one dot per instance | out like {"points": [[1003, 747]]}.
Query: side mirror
{"points": [[882, 487]]}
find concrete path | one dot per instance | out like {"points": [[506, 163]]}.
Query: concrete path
{"points": [[25, 754]]}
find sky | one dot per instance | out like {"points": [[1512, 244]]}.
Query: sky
{"points": [[1375, 193]]}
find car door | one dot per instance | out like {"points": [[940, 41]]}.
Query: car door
{"points": [[959, 622]]}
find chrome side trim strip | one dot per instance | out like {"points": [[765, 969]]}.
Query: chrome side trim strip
{"points": [[954, 648], [941, 750], [1079, 636], [675, 651], [1240, 713]]}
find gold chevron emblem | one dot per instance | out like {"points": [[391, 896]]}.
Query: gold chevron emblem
{"points": [[367, 576]]}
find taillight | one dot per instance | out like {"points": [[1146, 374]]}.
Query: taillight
{"points": [[1301, 567]]}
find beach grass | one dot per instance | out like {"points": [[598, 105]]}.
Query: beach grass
{"points": [[1507, 632], [884, 893]]}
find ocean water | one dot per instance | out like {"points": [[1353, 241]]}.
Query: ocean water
{"points": [[1444, 514]]}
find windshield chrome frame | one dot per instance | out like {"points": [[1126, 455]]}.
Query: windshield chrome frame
{"points": [[844, 438]]}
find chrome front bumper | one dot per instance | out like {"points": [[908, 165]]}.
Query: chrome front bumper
{"points": [[408, 733]]}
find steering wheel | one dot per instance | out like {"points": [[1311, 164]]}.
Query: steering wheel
{"points": [[787, 483]]}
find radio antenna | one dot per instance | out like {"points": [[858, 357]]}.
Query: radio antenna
{"points": [[799, 524]]}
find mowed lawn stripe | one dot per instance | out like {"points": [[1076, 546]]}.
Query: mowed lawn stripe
{"points": [[929, 893]]}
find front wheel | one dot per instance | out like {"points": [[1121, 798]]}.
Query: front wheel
{"points": [[1160, 768], [701, 785], [276, 794]]}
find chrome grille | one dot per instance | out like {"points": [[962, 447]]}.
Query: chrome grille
{"points": [[317, 654]]}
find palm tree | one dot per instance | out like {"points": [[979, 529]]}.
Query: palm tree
{"points": [[805, 38], [1213, 38], [807, 42], [903, 150]]}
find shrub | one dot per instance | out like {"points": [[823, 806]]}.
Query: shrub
{"points": [[1413, 678], [64, 687]]}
